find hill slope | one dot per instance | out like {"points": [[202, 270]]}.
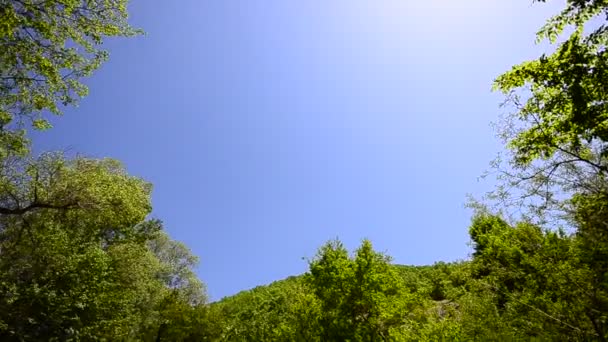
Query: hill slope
{"points": [[281, 310]]}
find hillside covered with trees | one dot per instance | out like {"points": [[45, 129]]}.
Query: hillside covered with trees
{"points": [[82, 260]]}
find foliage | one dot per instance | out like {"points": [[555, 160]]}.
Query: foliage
{"points": [[46, 48], [68, 241], [281, 311], [361, 298], [78, 258], [177, 262], [557, 133], [534, 278]]}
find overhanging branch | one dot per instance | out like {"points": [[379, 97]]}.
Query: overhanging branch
{"points": [[34, 206]]}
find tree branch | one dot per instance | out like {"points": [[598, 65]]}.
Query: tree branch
{"points": [[34, 206]]}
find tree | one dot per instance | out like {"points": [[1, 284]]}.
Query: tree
{"points": [[94, 196], [177, 272], [591, 220], [558, 143], [536, 280], [73, 258], [362, 298], [183, 304], [558, 163], [46, 48], [557, 135], [285, 310]]}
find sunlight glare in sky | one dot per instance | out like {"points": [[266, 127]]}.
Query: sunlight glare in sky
{"points": [[439, 16]]}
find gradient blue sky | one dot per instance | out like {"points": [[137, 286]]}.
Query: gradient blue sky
{"points": [[269, 127]]}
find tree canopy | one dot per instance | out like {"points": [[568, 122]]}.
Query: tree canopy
{"points": [[47, 47]]}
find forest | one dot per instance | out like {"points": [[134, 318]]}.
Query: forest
{"points": [[81, 259]]}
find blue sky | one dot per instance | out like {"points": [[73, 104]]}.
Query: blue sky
{"points": [[269, 127]]}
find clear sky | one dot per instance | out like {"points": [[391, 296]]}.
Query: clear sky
{"points": [[268, 127]]}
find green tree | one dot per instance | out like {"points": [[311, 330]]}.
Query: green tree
{"points": [[282, 311], [182, 310], [46, 48], [557, 134], [80, 260], [178, 265], [181, 321], [557, 139], [590, 218], [73, 262], [361, 298], [535, 279]]}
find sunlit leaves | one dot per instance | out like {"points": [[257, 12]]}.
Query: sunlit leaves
{"points": [[46, 48], [361, 297]]}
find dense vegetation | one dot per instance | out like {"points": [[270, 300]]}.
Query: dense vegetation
{"points": [[81, 260]]}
